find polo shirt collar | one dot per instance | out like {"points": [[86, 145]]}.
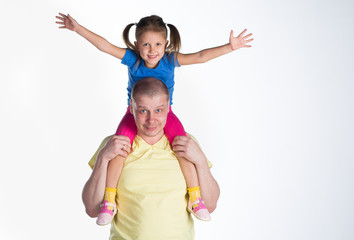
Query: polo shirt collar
{"points": [[140, 144]]}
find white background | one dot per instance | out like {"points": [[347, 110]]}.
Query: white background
{"points": [[276, 120]]}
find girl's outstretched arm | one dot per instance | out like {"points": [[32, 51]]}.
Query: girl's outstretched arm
{"points": [[207, 54], [66, 21]]}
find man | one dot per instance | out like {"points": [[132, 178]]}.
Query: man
{"points": [[151, 190]]}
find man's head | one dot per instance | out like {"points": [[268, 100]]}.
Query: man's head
{"points": [[150, 105]]}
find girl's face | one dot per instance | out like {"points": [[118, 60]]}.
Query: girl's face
{"points": [[151, 46]]}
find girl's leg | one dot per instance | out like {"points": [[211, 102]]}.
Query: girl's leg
{"points": [[172, 129], [175, 128], [126, 127]]}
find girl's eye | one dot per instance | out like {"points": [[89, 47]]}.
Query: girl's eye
{"points": [[158, 44], [145, 44]]}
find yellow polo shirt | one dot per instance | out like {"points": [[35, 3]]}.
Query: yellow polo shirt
{"points": [[151, 195]]}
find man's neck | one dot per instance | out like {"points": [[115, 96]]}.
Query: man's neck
{"points": [[151, 140]]}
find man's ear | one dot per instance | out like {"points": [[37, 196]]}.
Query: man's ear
{"points": [[131, 106], [168, 106]]}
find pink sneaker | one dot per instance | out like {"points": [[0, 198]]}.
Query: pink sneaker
{"points": [[105, 216], [200, 211]]}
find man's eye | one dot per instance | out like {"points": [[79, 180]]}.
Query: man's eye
{"points": [[158, 110], [142, 111]]}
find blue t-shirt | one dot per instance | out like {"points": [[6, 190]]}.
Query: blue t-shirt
{"points": [[165, 71]]}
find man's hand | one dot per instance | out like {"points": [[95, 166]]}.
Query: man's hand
{"points": [[116, 145], [240, 41], [67, 22], [185, 146]]}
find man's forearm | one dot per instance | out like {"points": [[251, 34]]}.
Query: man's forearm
{"points": [[209, 188], [188, 148], [93, 192]]}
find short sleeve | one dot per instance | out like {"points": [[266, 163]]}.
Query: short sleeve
{"points": [[94, 157], [129, 58], [173, 59]]}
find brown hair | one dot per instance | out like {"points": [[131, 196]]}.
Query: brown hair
{"points": [[149, 86], [156, 24]]}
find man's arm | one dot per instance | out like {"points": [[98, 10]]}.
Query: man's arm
{"points": [[185, 146], [209, 188], [93, 192]]}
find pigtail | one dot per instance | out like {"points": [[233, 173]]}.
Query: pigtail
{"points": [[126, 37], [175, 42]]}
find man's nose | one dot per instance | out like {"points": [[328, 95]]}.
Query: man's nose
{"points": [[150, 117]]}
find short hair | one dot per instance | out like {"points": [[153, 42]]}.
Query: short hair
{"points": [[149, 86]]}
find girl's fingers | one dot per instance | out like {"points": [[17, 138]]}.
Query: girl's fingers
{"points": [[247, 36], [60, 23], [243, 32], [60, 18]]}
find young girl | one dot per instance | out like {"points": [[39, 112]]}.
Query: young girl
{"points": [[152, 55]]}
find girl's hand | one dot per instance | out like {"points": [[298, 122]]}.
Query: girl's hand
{"points": [[67, 21], [240, 41]]}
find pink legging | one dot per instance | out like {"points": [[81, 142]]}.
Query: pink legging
{"points": [[172, 128]]}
